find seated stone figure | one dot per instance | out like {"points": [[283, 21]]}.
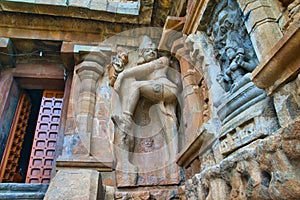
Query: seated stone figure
{"points": [[234, 73], [148, 79]]}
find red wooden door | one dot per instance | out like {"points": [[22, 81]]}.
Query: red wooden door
{"points": [[46, 134], [11, 156]]}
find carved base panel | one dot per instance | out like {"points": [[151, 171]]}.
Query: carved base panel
{"points": [[129, 175], [257, 121], [144, 194], [235, 102], [265, 169]]}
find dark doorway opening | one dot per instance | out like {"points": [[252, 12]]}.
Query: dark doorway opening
{"points": [[35, 97]]}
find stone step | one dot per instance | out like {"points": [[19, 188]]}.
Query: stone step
{"points": [[22, 191]]}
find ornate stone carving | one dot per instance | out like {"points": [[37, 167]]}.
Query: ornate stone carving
{"points": [[146, 145], [293, 12], [232, 46], [147, 122], [118, 65], [278, 155], [266, 169], [243, 174]]}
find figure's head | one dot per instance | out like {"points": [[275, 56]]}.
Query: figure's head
{"points": [[225, 21], [147, 49], [230, 53], [148, 142], [120, 60], [231, 49]]}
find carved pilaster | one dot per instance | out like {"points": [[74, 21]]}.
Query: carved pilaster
{"points": [[89, 72], [80, 124], [261, 23]]}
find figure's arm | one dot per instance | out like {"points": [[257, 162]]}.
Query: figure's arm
{"points": [[245, 65], [145, 69]]}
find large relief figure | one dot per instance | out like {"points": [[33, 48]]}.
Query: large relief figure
{"points": [[146, 125]]}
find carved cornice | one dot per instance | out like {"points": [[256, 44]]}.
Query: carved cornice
{"points": [[96, 10], [202, 141], [281, 64]]}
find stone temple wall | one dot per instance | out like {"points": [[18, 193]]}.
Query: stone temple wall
{"points": [[213, 114], [247, 53]]}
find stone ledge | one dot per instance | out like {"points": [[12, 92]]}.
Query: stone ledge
{"points": [[76, 184], [84, 162], [281, 64], [203, 140], [96, 9], [22, 191]]}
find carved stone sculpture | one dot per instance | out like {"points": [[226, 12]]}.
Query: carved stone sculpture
{"points": [[118, 65], [234, 72], [147, 121], [232, 46], [293, 12], [278, 156]]}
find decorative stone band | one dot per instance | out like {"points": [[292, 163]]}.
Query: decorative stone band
{"points": [[239, 101], [258, 121]]}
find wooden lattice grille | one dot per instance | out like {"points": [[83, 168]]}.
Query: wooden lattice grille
{"points": [[9, 164], [46, 133]]}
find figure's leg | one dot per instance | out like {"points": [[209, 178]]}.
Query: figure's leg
{"points": [[129, 100]]}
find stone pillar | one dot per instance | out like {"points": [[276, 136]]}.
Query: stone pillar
{"points": [[89, 72], [261, 22]]}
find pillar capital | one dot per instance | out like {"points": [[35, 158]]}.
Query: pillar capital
{"points": [[89, 70]]}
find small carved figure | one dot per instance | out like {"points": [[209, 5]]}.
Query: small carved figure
{"points": [[146, 145], [118, 64], [293, 9], [237, 67]]}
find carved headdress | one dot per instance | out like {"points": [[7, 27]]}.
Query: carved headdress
{"points": [[146, 43], [145, 55]]}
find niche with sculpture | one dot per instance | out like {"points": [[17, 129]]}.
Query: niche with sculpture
{"points": [[240, 105], [145, 118], [232, 46]]}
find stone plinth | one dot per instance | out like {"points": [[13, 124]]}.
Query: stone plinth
{"points": [[75, 184]]}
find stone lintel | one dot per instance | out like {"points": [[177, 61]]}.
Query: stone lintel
{"points": [[201, 142], [84, 162], [86, 9], [74, 54], [281, 64]]}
